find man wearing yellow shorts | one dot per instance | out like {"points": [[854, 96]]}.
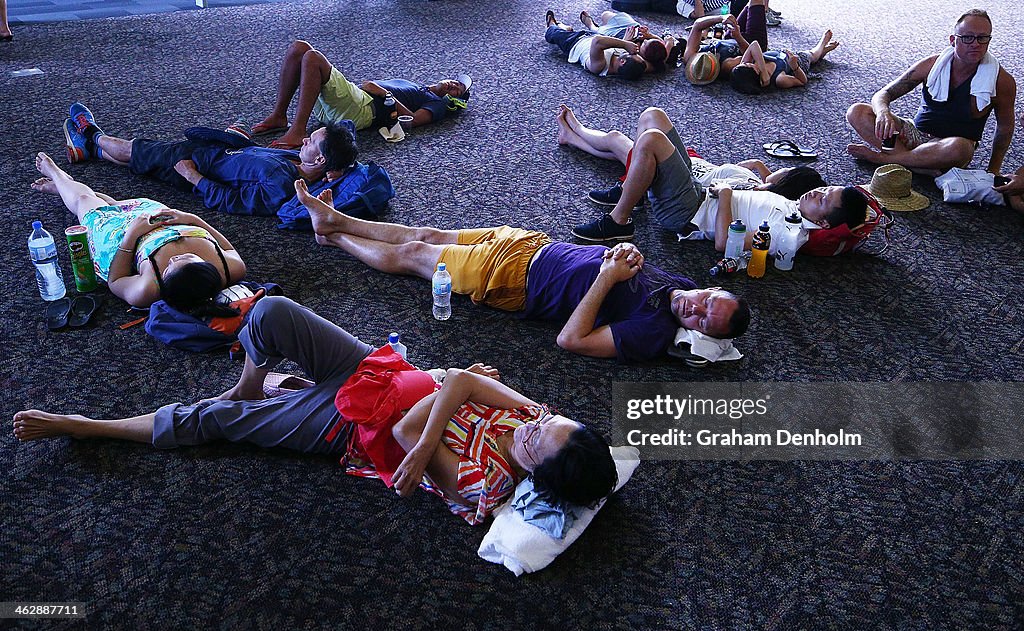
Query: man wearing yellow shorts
{"points": [[324, 92], [612, 303]]}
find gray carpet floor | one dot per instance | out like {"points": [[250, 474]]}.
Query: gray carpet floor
{"points": [[232, 536]]}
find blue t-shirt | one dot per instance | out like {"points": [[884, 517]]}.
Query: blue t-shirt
{"points": [[247, 181], [638, 310], [724, 48], [415, 97]]}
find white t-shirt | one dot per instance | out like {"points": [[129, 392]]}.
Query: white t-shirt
{"points": [[752, 208], [739, 177], [580, 53]]}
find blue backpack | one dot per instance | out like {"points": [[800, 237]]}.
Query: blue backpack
{"points": [[362, 192], [187, 332]]}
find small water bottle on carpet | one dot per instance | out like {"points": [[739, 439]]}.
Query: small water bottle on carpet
{"points": [[43, 251], [396, 344], [441, 287]]}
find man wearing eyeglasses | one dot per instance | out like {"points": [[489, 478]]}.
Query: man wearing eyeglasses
{"points": [[611, 302], [960, 88]]}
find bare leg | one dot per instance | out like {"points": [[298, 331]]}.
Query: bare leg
{"points": [[35, 424], [78, 197], [327, 220], [861, 117], [250, 383], [116, 150], [652, 147], [824, 47], [5, 29], [614, 142], [315, 71], [44, 185], [931, 158], [566, 136], [291, 70], [413, 258]]}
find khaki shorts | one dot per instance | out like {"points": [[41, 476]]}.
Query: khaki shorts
{"points": [[914, 137], [340, 99], [489, 264]]}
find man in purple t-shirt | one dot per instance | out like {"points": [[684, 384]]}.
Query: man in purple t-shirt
{"points": [[613, 305]]}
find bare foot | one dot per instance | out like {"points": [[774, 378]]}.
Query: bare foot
{"points": [[35, 424], [564, 131], [270, 122], [46, 166], [485, 370], [45, 185], [321, 209], [864, 152], [289, 139], [570, 118]]}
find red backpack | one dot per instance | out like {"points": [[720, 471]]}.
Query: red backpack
{"points": [[842, 239]]}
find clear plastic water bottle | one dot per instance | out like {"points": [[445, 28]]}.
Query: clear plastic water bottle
{"points": [[391, 107], [788, 242], [441, 287], [397, 346], [736, 240], [43, 251]]}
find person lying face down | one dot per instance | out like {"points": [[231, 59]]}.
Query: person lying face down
{"points": [[413, 435], [612, 303]]}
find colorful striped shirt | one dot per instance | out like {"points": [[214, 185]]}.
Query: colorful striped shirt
{"points": [[485, 478]]}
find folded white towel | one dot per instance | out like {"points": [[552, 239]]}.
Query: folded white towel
{"points": [[983, 85], [710, 348]]}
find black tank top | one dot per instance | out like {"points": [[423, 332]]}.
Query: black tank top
{"points": [[954, 117]]}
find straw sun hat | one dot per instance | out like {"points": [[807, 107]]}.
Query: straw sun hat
{"points": [[702, 69], [891, 185]]}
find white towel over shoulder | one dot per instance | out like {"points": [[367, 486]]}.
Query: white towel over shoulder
{"points": [[983, 85]]}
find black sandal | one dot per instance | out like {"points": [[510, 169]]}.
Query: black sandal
{"points": [[549, 17]]}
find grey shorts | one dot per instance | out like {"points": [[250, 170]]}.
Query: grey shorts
{"points": [[675, 195], [278, 329]]}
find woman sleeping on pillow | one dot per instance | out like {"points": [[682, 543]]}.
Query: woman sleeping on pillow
{"points": [[383, 417]]}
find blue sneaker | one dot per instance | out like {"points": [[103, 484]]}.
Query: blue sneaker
{"points": [[86, 125], [75, 142], [82, 118]]}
